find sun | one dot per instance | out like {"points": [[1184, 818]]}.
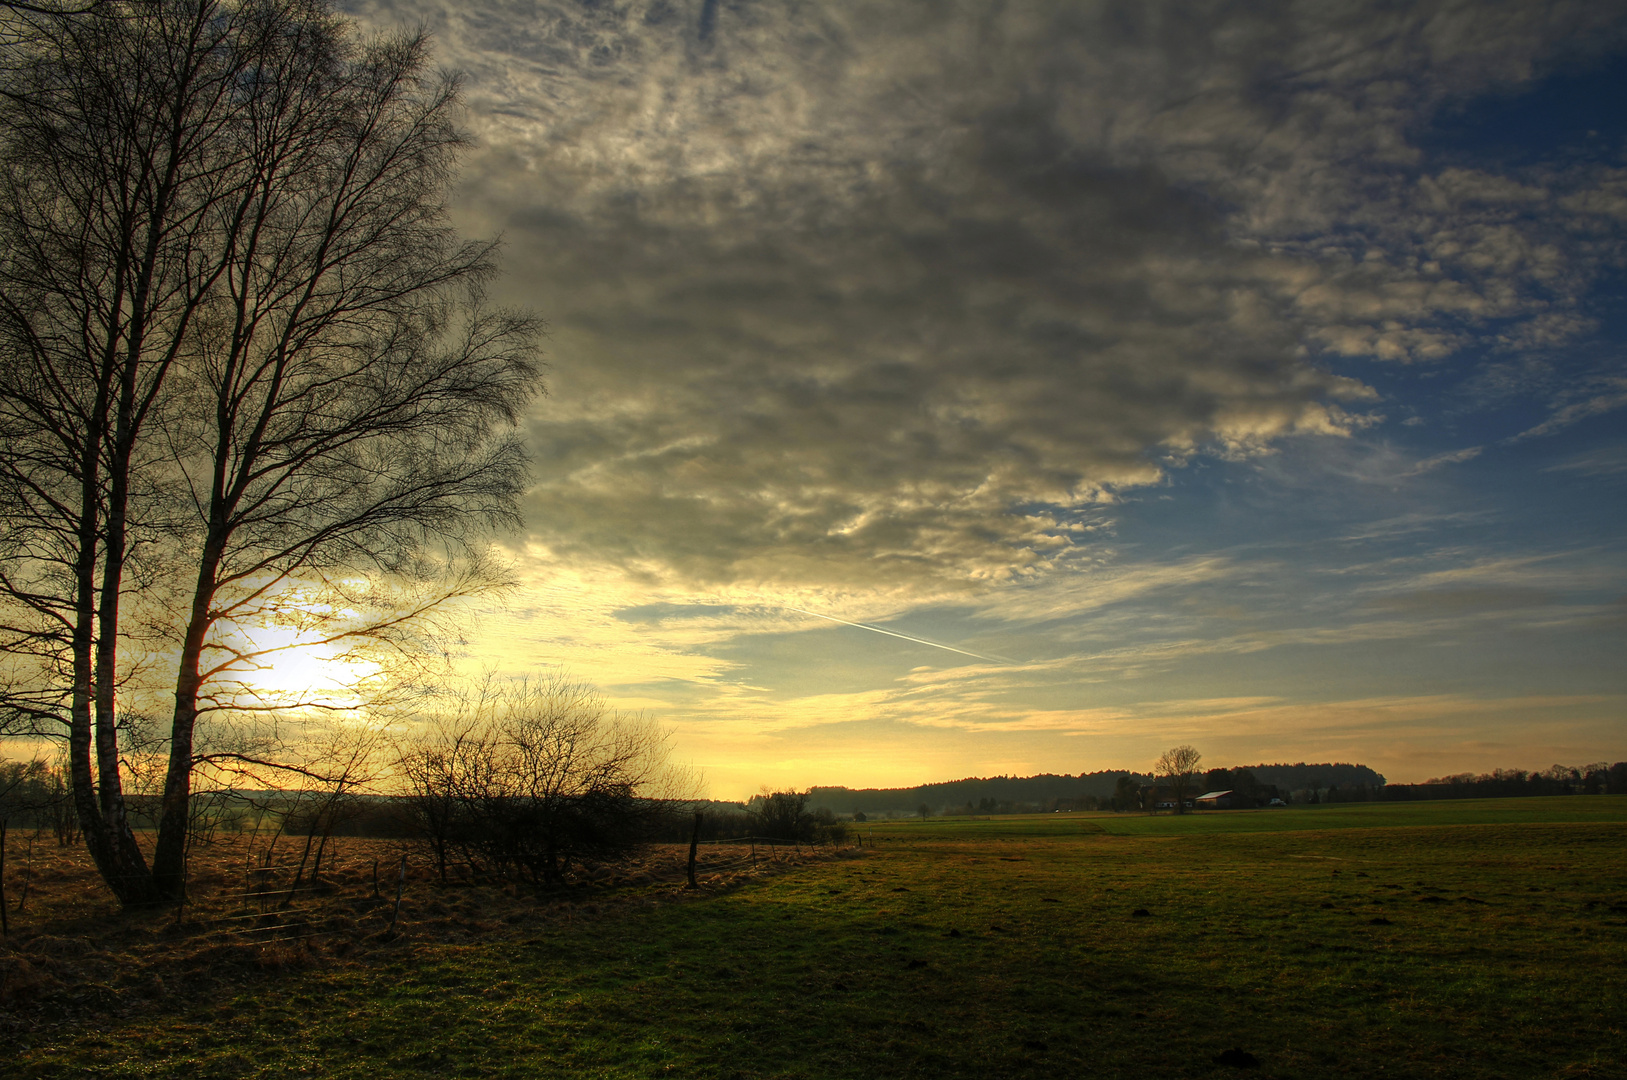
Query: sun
{"points": [[286, 667]]}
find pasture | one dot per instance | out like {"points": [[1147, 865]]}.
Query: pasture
{"points": [[1460, 939]]}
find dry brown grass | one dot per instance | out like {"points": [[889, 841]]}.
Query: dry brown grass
{"points": [[74, 957]]}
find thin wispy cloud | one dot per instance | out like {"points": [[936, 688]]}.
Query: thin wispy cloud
{"points": [[909, 637], [1609, 396], [1450, 457]]}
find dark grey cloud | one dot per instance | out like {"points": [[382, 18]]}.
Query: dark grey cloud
{"points": [[862, 293]]}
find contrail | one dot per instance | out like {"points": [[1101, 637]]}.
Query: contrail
{"points": [[906, 637]]}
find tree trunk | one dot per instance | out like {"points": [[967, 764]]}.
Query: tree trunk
{"points": [[101, 808], [169, 855]]}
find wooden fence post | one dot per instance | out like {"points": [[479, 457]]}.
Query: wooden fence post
{"points": [[694, 842], [28, 876], [400, 887], [5, 923]]}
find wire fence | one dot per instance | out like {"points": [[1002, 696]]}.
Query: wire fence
{"points": [[754, 851], [265, 908], [273, 903]]}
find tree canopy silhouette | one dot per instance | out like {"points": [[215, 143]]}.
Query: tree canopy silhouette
{"points": [[249, 374]]}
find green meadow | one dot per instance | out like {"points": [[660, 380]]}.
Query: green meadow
{"points": [[1455, 939]]}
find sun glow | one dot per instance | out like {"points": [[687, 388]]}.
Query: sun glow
{"points": [[290, 667]]}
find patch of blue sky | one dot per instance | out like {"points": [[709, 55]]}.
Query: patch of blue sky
{"points": [[1573, 113]]}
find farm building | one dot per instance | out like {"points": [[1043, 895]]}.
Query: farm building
{"points": [[1216, 800]]}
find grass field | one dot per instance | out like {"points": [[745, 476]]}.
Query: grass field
{"points": [[1484, 939], [1292, 819]]}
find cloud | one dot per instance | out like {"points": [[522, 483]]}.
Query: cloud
{"points": [[1465, 601], [868, 294], [892, 312], [1603, 461], [1450, 457], [1605, 395], [1554, 570]]}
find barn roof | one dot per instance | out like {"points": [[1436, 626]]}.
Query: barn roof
{"points": [[1215, 794]]}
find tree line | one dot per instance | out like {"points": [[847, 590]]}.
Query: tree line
{"points": [[1103, 789], [1597, 778], [37, 793], [1252, 785]]}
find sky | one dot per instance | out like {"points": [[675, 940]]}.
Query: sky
{"points": [[960, 389]]}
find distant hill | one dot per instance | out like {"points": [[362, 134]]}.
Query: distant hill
{"points": [[1049, 788], [1299, 776], [951, 793]]}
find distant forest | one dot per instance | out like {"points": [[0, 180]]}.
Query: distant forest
{"points": [[1596, 779], [1017, 794], [1298, 783], [38, 795]]}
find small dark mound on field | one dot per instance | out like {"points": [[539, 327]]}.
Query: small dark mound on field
{"points": [[1035, 1045], [1379, 921], [916, 965], [20, 980], [1140, 913], [1237, 1059], [954, 933], [1432, 900]]}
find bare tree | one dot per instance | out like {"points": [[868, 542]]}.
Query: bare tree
{"points": [[1179, 765], [18, 16], [439, 768], [359, 401], [247, 367], [534, 777], [22, 785], [782, 815], [116, 149], [59, 803]]}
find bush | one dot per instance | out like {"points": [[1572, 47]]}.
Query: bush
{"points": [[535, 777], [784, 815]]}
